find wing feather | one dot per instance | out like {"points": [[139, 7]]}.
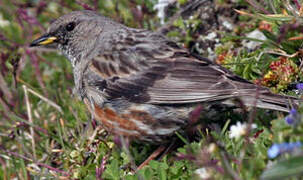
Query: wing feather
{"points": [[151, 69]]}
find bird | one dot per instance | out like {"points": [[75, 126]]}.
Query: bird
{"points": [[141, 85]]}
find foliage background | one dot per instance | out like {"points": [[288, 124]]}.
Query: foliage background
{"points": [[59, 142]]}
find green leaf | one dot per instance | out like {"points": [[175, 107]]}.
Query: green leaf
{"points": [[182, 2], [284, 169], [146, 173], [162, 172], [154, 164], [276, 17], [112, 170], [179, 23]]}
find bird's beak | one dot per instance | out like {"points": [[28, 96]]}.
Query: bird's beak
{"points": [[43, 40]]}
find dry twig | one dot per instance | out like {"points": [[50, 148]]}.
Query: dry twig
{"points": [[30, 119]]}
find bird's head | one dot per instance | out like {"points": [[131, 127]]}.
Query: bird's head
{"points": [[74, 34]]}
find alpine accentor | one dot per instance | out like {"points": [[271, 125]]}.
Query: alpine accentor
{"points": [[138, 83]]}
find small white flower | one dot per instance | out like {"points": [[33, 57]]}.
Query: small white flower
{"points": [[203, 173], [212, 148], [238, 130], [160, 7], [256, 34], [227, 25], [3, 22], [211, 36]]}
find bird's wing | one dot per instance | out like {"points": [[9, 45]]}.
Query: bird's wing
{"points": [[157, 71]]}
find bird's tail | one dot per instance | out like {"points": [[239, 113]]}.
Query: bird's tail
{"points": [[268, 100]]}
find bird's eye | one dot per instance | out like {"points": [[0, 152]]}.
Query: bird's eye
{"points": [[70, 26]]}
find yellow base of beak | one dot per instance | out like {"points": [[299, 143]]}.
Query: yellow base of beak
{"points": [[43, 40], [48, 41]]}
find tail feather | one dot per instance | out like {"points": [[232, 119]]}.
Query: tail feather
{"points": [[269, 101]]}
